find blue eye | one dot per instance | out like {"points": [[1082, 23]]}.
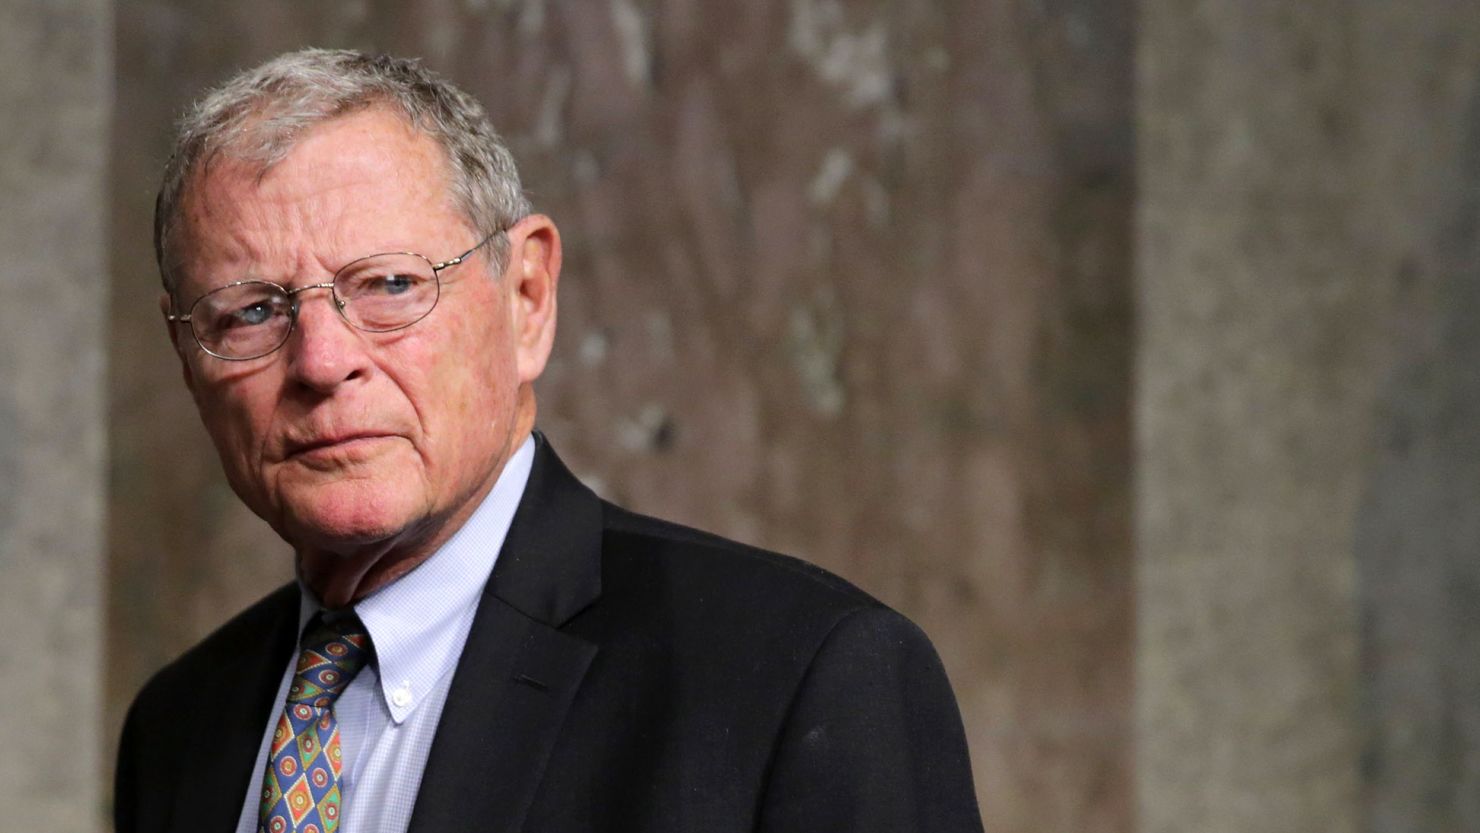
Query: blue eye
{"points": [[397, 284], [251, 315]]}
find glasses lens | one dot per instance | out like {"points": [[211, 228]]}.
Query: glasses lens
{"points": [[242, 321], [386, 292]]}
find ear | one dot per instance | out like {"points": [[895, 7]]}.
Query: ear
{"points": [[173, 328], [532, 276]]}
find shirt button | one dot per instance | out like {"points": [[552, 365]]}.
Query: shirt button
{"points": [[401, 697]]}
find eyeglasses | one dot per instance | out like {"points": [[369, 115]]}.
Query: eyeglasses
{"points": [[377, 294]]}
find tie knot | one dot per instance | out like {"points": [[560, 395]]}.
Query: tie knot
{"points": [[333, 650]]}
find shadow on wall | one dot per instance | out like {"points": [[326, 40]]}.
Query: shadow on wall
{"points": [[1418, 535]]}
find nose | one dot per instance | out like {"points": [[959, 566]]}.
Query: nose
{"points": [[324, 351]]}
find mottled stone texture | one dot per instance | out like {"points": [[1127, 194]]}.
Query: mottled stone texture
{"points": [[1418, 527], [52, 417], [1306, 410], [848, 280], [1253, 401]]}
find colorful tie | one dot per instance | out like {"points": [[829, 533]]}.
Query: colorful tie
{"points": [[300, 787]]}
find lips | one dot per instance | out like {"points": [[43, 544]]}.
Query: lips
{"points": [[297, 448]]}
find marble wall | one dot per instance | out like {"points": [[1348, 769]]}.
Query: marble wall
{"points": [[53, 355], [1308, 290], [1416, 533], [1128, 349], [848, 280], [1253, 402]]}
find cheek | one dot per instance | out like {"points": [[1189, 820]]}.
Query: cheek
{"points": [[236, 417], [473, 386], [472, 392], [485, 348]]}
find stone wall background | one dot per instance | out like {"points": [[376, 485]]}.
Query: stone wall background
{"points": [[53, 409], [1308, 294], [1417, 533], [847, 280], [1128, 349]]}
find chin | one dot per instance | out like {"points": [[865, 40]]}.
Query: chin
{"points": [[346, 520]]}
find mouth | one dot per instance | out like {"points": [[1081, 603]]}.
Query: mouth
{"points": [[323, 446]]}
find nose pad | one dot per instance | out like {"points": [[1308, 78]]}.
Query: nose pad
{"points": [[297, 298], [302, 313], [338, 308]]}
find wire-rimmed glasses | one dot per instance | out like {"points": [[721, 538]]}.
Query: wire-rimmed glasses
{"points": [[378, 294]]}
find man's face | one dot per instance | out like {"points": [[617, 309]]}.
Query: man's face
{"points": [[345, 440]]}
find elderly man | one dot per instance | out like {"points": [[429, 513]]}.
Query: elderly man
{"points": [[361, 300]]}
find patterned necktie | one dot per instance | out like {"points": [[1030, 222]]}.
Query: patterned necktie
{"points": [[300, 787]]}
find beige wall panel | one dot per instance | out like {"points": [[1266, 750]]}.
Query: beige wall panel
{"points": [[1418, 526], [1307, 408], [54, 94], [1253, 402]]}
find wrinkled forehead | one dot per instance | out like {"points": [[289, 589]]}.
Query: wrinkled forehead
{"points": [[344, 177]]}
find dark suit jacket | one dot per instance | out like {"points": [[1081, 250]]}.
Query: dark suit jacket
{"points": [[622, 674]]}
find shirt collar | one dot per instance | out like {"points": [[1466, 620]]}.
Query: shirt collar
{"points": [[420, 622]]}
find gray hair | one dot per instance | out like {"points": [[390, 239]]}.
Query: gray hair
{"points": [[259, 115]]}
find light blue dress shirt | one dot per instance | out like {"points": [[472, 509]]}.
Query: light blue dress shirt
{"points": [[418, 625]]}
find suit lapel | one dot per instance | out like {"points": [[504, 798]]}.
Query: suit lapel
{"points": [[518, 673], [225, 740], [503, 714]]}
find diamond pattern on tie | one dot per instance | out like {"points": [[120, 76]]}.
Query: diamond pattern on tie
{"points": [[300, 785]]}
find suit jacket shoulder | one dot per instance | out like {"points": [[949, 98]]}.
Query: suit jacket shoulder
{"points": [[737, 689], [706, 558]]}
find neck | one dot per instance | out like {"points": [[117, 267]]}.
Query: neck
{"points": [[340, 579]]}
